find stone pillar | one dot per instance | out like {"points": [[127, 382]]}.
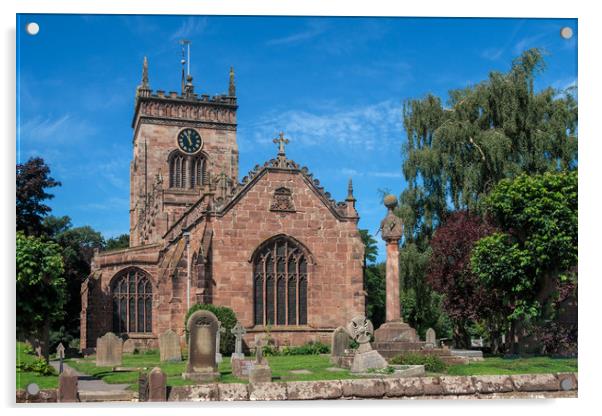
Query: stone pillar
{"points": [[391, 231], [393, 306]]}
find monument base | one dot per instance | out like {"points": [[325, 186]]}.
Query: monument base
{"points": [[202, 377], [364, 361], [237, 356], [260, 374], [395, 331]]}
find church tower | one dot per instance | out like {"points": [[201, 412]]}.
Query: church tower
{"points": [[183, 146]]}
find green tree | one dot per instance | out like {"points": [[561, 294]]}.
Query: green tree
{"points": [[536, 252], [456, 153], [77, 249], [33, 180], [116, 243], [40, 288], [374, 281]]}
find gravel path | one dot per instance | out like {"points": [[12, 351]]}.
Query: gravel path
{"points": [[89, 383]]}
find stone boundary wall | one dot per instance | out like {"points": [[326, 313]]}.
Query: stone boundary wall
{"points": [[524, 386]]}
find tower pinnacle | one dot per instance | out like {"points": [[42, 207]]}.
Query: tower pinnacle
{"points": [[231, 86]]}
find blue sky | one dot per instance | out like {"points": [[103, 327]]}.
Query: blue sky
{"points": [[335, 86]]}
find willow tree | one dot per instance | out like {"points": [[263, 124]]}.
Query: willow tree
{"points": [[499, 128]]}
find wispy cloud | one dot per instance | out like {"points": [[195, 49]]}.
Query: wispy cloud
{"points": [[109, 204], [529, 42], [314, 28], [59, 129], [373, 174], [363, 127], [190, 27]]}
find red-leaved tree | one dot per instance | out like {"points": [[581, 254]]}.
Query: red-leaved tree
{"points": [[449, 272]]}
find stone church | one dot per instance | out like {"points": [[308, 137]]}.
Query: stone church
{"points": [[275, 247]]}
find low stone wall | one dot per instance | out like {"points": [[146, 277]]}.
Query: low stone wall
{"points": [[525, 386], [444, 387]]}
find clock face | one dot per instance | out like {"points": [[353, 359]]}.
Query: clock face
{"points": [[190, 140]]}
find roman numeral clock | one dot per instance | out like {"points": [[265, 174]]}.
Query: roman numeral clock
{"points": [[190, 141]]}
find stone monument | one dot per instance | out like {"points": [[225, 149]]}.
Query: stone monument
{"points": [[109, 350], [202, 328], [238, 331], [340, 343], [431, 339], [394, 329], [261, 371], [169, 346], [67, 391], [218, 336], [157, 385], [360, 328]]}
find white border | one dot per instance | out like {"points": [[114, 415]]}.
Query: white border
{"points": [[590, 153]]}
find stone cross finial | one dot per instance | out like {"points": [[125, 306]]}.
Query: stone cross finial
{"points": [[238, 331], [281, 141]]}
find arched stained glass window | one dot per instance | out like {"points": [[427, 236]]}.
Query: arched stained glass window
{"points": [[280, 283], [132, 302]]}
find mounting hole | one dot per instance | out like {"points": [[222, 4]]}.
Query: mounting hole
{"points": [[566, 384], [32, 28], [566, 32], [33, 389]]}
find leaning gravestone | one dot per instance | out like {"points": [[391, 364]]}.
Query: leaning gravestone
{"points": [[169, 346], [361, 329], [340, 342], [431, 339], [157, 385], [109, 350], [238, 331], [202, 367]]}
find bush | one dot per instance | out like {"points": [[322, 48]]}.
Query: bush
{"points": [[226, 316], [310, 348], [431, 362], [39, 366]]}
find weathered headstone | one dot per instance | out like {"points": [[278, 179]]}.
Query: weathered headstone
{"points": [[129, 346], [157, 385], [60, 353], [202, 367], [218, 338], [361, 329], [340, 342], [238, 331], [67, 387], [169, 346], [261, 371], [431, 339], [109, 350], [242, 368], [143, 386]]}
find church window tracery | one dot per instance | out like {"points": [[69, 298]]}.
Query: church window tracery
{"points": [[132, 295], [186, 171], [280, 283]]}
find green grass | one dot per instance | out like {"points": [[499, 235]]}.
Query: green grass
{"points": [[25, 378], [317, 364], [281, 367], [531, 365]]}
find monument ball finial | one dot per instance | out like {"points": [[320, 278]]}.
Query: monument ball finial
{"points": [[390, 201]]}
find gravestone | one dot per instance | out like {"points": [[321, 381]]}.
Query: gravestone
{"points": [[431, 339], [202, 328], [169, 346], [238, 331], [157, 385], [220, 331], [109, 350], [340, 342], [242, 368], [261, 371], [129, 346], [67, 387], [361, 329]]}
